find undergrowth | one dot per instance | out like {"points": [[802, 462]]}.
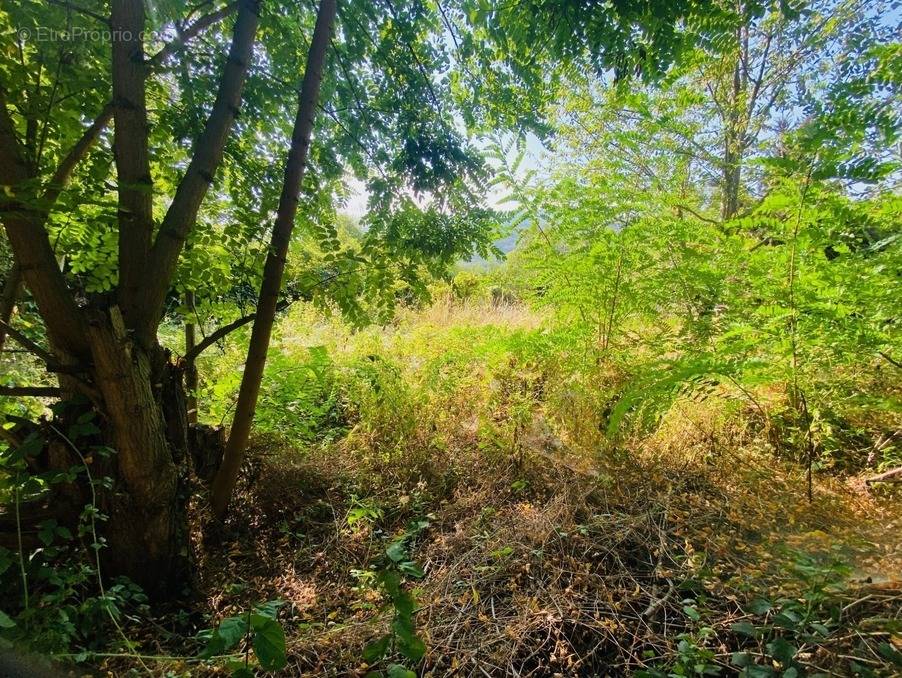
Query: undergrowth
{"points": [[442, 496]]}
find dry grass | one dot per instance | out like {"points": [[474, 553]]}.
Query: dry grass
{"points": [[565, 557], [551, 567]]}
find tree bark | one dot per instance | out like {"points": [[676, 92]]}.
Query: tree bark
{"points": [[31, 247], [135, 388], [190, 366], [891, 476], [732, 156], [146, 424], [224, 483], [131, 147], [12, 287]]}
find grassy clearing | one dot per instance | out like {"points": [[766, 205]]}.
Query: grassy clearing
{"points": [[544, 547]]}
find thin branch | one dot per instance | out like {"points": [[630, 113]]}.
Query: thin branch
{"points": [[696, 214], [208, 341], [31, 244], [191, 31], [81, 10], [448, 24], [67, 165], [416, 58], [180, 218], [225, 330], [891, 476], [25, 342], [890, 359], [36, 391]]}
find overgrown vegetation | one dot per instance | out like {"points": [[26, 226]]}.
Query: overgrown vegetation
{"points": [[658, 437]]}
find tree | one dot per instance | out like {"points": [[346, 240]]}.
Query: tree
{"points": [[274, 268], [108, 345], [192, 174], [102, 310]]}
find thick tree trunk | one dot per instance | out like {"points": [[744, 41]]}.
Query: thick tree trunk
{"points": [[145, 422], [274, 267]]}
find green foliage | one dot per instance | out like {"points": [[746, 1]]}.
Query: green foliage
{"points": [[391, 572], [795, 291], [53, 598], [259, 629], [787, 624]]}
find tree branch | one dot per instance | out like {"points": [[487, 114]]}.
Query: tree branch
{"points": [[274, 268], [31, 244], [76, 154], [131, 148], [191, 31], [888, 358], [27, 343], [8, 298], [182, 213], [697, 215], [891, 476], [192, 355], [37, 391], [81, 10]]}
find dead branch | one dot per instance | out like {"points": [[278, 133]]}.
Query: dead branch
{"points": [[892, 476]]}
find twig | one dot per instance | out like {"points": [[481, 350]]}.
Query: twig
{"points": [[36, 391], [894, 475], [81, 10], [25, 342]]}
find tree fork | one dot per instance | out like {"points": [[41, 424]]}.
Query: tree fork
{"points": [[224, 482], [146, 306]]}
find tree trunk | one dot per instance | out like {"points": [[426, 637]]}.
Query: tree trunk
{"points": [[190, 366], [144, 420], [274, 267], [730, 180], [732, 156]]}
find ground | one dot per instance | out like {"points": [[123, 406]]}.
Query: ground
{"points": [[690, 550]]}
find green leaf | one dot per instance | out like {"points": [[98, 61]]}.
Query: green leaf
{"points": [[375, 650], [741, 659], [230, 631], [691, 612], [270, 608], [396, 551], [745, 628], [759, 606], [412, 569], [391, 581], [269, 643], [5, 621], [398, 671], [891, 653], [787, 620], [404, 604], [782, 650]]}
